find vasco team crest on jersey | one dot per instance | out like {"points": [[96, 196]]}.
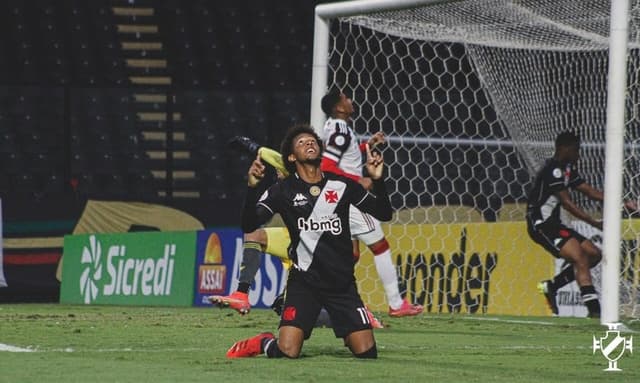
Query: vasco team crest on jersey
{"points": [[331, 196]]}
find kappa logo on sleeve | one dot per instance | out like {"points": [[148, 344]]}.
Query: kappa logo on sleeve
{"points": [[300, 200]]}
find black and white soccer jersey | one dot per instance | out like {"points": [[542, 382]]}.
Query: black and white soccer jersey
{"points": [[542, 203], [317, 217]]}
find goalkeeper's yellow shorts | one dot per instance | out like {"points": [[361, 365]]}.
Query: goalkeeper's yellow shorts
{"points": [[277, 244]]}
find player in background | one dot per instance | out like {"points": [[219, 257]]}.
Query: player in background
{"points": [[343, 155], [549, 193], [314, 206]]}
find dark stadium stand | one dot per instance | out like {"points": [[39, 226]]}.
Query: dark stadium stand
{"points": [[135, 100], [86, 88]]}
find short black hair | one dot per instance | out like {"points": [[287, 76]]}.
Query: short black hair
{"points": [[286, 147], [330, 100], [567, 138]]}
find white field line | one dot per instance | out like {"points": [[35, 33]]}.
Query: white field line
{"points": [[622, 328], [10, 348], [511, 321], [392, 346]]}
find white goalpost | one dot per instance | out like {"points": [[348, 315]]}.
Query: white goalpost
{"points": [[614, 160], [471, 95]]}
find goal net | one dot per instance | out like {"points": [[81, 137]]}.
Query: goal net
{"points": [[471, 95]]}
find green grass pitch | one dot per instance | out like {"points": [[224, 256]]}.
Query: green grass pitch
{"points": [[63, 343]]}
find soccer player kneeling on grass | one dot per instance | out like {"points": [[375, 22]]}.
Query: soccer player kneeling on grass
{"points": [[315, 208]]}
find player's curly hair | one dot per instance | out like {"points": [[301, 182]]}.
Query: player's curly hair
{"points": [[286, 147], [330, 100], [567, 138]]}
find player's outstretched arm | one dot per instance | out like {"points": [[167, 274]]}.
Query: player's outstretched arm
{"points": [[590, 191], [256, 172], [376, 139], [380, 206], [598, 195], [254, 214], [375, 163], [576, 211]]}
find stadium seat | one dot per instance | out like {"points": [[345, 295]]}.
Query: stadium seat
{"points": [[52, 183], [5, 184], [107, 186], [43, 161], [104, 163], [13, 162], [79, 162], [218, 73], [245, 75], [82, 183], [135, 162], [141, 187], [187, 72], [213, 185], [8, 142], [24, 183]]}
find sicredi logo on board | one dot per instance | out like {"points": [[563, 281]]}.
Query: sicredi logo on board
{"points": [[154, 268], [124, 276]]}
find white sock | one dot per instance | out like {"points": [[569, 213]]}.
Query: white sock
{"points": [[389, 277]]}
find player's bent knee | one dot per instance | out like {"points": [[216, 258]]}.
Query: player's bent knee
{"points": [[290, 343], [290, 352], [371, 353], [274, 351]]}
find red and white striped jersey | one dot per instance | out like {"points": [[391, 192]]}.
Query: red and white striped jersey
{"points": [[342, 153]]}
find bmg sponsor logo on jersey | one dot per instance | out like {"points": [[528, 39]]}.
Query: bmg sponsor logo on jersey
{"points": [[331, 224]]}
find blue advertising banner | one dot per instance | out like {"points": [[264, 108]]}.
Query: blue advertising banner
{"points": [[218, 259]]}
